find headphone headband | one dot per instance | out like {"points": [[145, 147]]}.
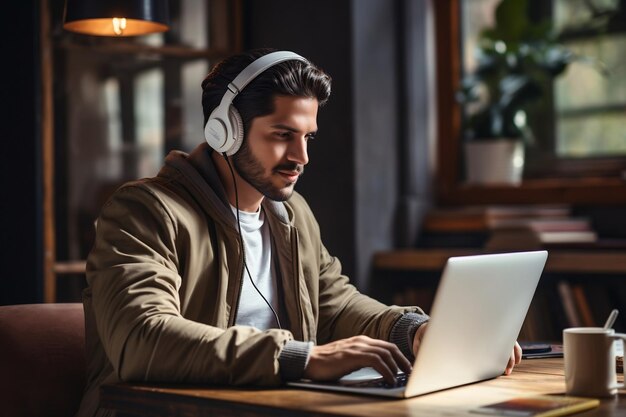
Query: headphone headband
{"points": [[261, 64], [224, 129]]}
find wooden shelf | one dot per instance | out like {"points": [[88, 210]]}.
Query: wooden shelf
{"points": [[70, 267], [563, 261], [582, 191], [133, 49]]}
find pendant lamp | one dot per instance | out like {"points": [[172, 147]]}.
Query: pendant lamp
{"points": [[116, 17]]}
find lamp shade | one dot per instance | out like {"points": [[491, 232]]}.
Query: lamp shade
{"points": [[116, 17]]}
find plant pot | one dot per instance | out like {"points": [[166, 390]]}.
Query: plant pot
{"points": [[494, 161]]}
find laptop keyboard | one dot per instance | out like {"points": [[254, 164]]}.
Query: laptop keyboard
{"points": [[381, 383]]}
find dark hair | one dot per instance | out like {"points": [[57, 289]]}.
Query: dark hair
{"points": [[289, 78]]}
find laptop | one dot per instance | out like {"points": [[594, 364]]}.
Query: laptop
{"points": [[478, 311]]}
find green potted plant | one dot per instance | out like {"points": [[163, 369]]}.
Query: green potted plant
{"points": [[517, 60]]}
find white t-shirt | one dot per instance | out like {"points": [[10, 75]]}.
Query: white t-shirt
{"points": [[253, 311]]}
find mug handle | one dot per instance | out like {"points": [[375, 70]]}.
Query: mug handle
{"points": [[622, 337]]}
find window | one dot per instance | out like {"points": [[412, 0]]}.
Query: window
{"points": [[120, 105], [581, 151], [590, 106]]}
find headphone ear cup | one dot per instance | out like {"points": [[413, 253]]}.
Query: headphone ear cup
{"points": [[216, 130], [237, 129]]}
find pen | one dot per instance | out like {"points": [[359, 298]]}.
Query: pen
{"points": [[611, 320]]}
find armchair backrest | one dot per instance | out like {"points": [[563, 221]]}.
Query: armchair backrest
{"points": [[42, 359]]}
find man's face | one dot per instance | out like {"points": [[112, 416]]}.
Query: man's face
{"points": [[274, 154]]}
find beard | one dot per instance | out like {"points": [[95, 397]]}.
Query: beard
{"points": [[251, 170]]}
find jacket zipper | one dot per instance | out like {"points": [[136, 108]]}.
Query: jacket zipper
{"points": [[238, 295], [296, 262]]}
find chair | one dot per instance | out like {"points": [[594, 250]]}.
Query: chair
{"points": [[42, 359]]}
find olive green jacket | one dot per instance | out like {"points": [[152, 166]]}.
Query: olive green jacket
{"points": [[164, 279]]}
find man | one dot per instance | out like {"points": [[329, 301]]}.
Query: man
{"points": [[214, 271]]}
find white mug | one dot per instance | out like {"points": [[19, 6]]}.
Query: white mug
{"points": [[589, 355]]}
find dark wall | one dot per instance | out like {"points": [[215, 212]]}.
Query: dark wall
{"points": [[376, 124], [320, 31], [351, 182], [20, 159], [376, 127]]}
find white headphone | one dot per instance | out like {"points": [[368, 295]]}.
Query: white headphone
{"points": [[224, 129]]}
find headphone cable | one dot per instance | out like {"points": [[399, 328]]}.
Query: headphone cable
{"points": [[241, 245]]}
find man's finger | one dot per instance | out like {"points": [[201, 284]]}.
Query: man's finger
{"points": [[517, 351], [417, 340], [376, 362], [399, 360], [386, 356], [510, 364]]}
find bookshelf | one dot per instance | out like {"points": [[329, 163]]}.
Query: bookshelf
{"points": [[584, 277], [578, 288]]}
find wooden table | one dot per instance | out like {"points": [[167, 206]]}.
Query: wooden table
{"points": [[531, 376]]}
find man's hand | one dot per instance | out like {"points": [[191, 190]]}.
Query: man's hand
{"points": [[417, 340], [516, 354], [516, 357], [334, 360]]}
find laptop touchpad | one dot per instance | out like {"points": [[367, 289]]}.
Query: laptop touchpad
{"points": [[360, 375]]}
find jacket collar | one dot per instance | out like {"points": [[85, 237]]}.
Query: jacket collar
{"points": [[197, 172]]}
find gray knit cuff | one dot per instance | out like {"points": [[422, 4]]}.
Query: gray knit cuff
{"points": [[293, 359], [403, 332]]}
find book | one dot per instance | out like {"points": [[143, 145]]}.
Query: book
{"points": [[535, 233], [528, 239], [480, 218], [566, 237], [572, 224], [539, 406], [554, 350], [497, 228], [463, 227], [455, 219], [582, 303], [533, 210], [569, 304], [513, 239]]}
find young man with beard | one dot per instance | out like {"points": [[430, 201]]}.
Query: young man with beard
{"points": [[214, 271]]}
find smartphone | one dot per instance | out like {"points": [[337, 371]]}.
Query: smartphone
{"points": [[535, 348]]}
